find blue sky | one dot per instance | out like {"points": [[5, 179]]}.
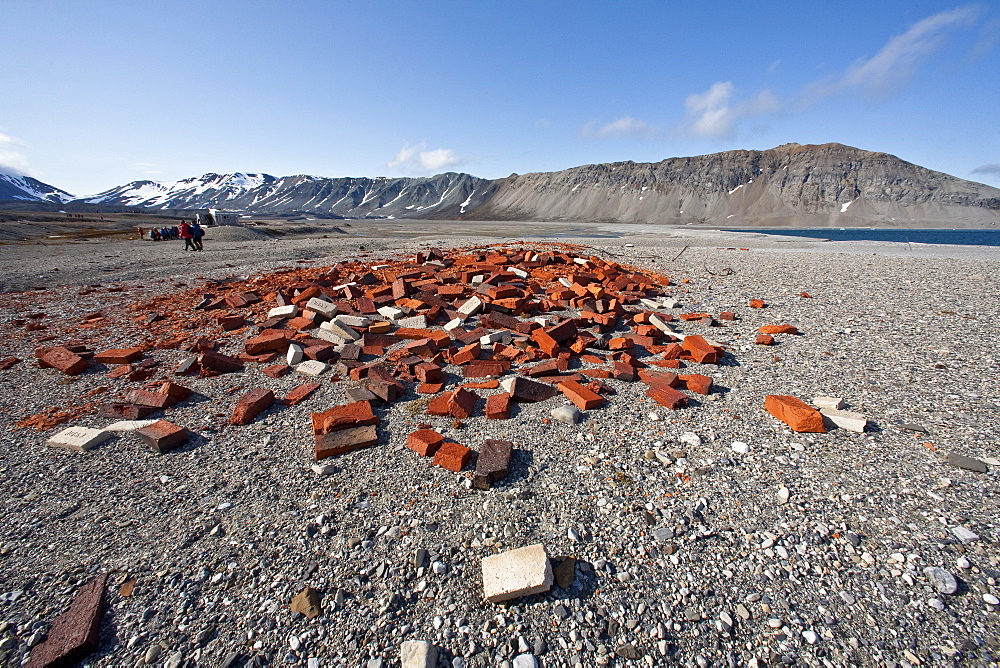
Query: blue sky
{"points": [[99, 93]]}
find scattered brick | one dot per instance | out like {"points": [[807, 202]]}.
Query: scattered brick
{"points": [[75, 633], [276, 370], [498, 406], [667, 396], [701, 351], [250, 405], [424, 442], [344, 441], [797, 414], [163, 436], [452, 456], [764, 340], [757, 303], [778, 329], [582, 397], [218, 362], [516, 573], [8, 363], [62, 359], [300, 394], [118, 356], [522, 389], [493, 463], [697, 383]]}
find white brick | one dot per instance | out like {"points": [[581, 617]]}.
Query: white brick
{"points": [[471, 306], [477, 280], [836, 403], [565, 282], [659, 323], [452, 325], [289, 311], [312, 367], [418, 654], [129, 425], [391, 313], [520, 273], [650, 303], [343, 331], [321, 306], [502, 336], [413, 322], [294, 354], [516, 573], [845, 419], [582, 261], [79, 438], [670, 302], [327, 335]]}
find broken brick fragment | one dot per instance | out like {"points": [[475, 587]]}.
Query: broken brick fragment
{"points": [[355, 414], [276, 370], [344, 441], [65, 360], [118, 356], [498, 406], [300, 394], [778, 329], [764, 340], [250, 405], [696, 382], [462, 403], [424, 442], [493, 463], [757, 303], [797, 414], [76, 632], [667, 396], [582, 397], [522, 389], [163, 436], [218, 362], [452, 456], [701, 351]]}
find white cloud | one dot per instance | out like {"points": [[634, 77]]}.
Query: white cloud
{"points": [[12, 161], [896, 62], [620, 127], [419, 159], [148, 168], [711, 113], [992, 169]]}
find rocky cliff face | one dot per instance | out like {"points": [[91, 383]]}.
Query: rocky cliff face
{"points": [[446, 195], [794, 185]]}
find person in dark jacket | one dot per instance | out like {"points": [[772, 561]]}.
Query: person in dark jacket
{"points": [[187, 235], [198, 233]]}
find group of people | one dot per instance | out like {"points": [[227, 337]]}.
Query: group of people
{"points": [[191, 233]]}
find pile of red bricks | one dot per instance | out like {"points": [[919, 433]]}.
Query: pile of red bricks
{"points": [[532, 324]]}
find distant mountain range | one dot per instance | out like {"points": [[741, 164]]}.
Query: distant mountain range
{"points": [[790, 185], [27, 189]]}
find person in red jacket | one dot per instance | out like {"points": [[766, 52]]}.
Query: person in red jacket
{"points": [[187, 234]]}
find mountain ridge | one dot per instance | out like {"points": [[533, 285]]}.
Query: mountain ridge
{"points": [[789, 185]]}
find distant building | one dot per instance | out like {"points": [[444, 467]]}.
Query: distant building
{"points": [[216, 217]]}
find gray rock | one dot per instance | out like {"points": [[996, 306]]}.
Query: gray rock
{"points": [[525, 661], [943, 581], [418, 654], [566, 414], [967, 463]]}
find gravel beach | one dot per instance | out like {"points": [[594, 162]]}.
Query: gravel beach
{"points": [[712, 535]]}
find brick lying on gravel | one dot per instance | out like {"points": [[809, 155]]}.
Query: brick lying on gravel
{"points": [[452, 456], [493, 463], [516, 573], [79, 439], [75, 633], [797, 414], [163, 436], [250, 405]]}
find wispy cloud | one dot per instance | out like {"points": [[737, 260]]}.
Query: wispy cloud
{"points": [[992, 169], [714, 114], [148, 168], [418, 158], [626, 126], [896, 62], [12, 161]]}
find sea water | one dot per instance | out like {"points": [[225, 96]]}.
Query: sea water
{"points": [[965, 237]]}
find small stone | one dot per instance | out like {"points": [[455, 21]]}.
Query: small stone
{"points": [[323, 469], [690, 439], [566, 414], [936, 604], [740, 447], [525, 661], [990, 599], [307, 602], [810, 637], [965, 535], [152, 654], [943, 581], [418, 654], [968, 463], [783, 495], [565, 572]]}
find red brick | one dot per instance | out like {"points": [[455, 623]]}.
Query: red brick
{"points": [[163, 436], [157, 400], [491, 384], [439, 405], [757, 303], [466, 354], [345, 440], [428, 372], [123, 411], [764, 340], [118, 356], [65, 360], [300, 394], [700, 350], [76, 632], [276, 370], [424, 442], [452, 456], [462, 403], [270, 340], [797, 414], [696, 382], [548, 345], [667, 396], [485, 369], [250, 405], [562, 332], [584, 398], [498, 406], [623, 371], [430, 388], [778, 329], [727, 315], [356, 414], [230, 322], [8, 363]]}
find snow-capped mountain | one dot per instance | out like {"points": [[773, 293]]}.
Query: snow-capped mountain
{"points": [[405, 197], [27, 189]]}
